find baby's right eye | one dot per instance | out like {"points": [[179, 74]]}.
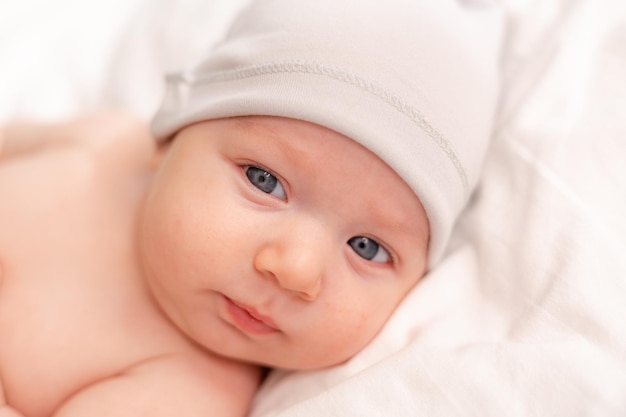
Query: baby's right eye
{"points": [[265, 181]]}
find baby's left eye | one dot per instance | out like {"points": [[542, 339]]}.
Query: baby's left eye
{"points": [[265, 181], [369, 249]]}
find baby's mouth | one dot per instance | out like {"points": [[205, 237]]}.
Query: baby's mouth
{"points": [[249, 320]]}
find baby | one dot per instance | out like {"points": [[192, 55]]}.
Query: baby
{"points": [[306, 176]]}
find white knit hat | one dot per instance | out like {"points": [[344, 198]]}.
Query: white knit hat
{"points": [[415, 81]]}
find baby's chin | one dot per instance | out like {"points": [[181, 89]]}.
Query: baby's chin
{"points": [[300, 361]]}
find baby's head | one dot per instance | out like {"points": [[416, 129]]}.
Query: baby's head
{"points": [[321, 155]]}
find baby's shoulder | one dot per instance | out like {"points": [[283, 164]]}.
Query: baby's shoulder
{"points": [[116, 136], [119, 135]]}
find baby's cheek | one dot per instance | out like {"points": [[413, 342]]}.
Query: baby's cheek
{"points": [[159, 239], [358, 331]]}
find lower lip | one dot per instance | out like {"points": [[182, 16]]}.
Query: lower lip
{"points": [[244, 321]]}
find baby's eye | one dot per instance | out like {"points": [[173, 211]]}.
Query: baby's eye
{"points": [[369, 249], [265, 181]]}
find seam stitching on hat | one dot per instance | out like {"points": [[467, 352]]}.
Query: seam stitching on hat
{"points": [[338, 74]]}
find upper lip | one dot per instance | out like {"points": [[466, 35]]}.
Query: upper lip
{"points": [[254, 313]]}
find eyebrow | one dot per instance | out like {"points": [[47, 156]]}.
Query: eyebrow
{"points": [[396, 223], [270, 136]]}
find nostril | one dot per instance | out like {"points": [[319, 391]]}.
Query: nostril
{"points": [[312, 292]]}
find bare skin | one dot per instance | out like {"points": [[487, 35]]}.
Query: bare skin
{"points": [[88, 328], [125, 270]]}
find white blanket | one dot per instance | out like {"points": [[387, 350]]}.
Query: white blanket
{"points": [[527, 313]]}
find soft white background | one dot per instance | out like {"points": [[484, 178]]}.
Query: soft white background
{"points": [[527, 313]]}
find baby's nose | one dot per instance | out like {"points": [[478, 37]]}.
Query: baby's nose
{"points": [[297, 260]]}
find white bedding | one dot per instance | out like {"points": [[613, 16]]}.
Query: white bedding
{"points": [[527, 313]]}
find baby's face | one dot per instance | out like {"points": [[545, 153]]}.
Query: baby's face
{"points": [[279, 242]]}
